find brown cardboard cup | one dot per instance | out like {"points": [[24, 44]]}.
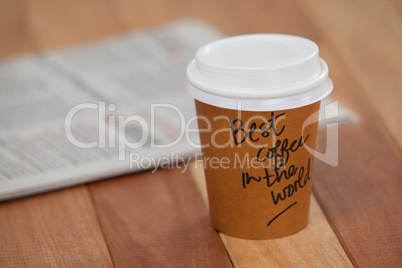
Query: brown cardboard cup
{"points": [[257, 99], [245, 195]]}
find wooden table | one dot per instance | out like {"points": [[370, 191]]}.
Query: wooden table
{"points": [[161, 219]]}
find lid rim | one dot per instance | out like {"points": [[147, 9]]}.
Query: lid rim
{"points": [[262, 92], [268, 104]]}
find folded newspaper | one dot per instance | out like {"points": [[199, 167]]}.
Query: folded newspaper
{"points": [[103, 109]]}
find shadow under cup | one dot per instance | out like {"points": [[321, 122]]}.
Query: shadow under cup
{"points": [[258, 168]]}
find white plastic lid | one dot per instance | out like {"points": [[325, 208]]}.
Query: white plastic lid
{"points": [[264, 72]]}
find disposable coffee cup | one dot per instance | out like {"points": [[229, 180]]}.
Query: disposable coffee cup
{"points": [[257, 99]]}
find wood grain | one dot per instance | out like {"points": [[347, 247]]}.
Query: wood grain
{"points": [[362, 195], [58, 229], [315, 246], [56, 23], [15, 35], [367, 37], [157, 220]]}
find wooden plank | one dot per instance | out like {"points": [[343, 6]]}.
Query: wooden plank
{"points": [[367, 36], [132, 15], [14, 30], [59, 23], [315, 246], [362, 195], [157, 220], [57, 229]]}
